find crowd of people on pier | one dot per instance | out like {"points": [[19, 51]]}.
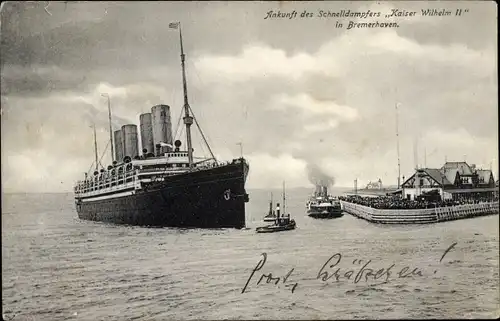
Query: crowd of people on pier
{"points": [[396, 202]]}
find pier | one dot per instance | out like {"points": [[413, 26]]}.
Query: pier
{"points": [[420, 216]]}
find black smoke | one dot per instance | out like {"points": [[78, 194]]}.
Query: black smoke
{"points": [[318, 177]]}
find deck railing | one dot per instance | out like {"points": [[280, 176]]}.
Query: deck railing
{"points": [[112, 182], [106, 181], [427, 215]]}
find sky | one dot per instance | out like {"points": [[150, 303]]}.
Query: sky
{"points": [[295, 92]]}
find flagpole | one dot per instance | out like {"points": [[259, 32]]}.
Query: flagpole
{"points": [[241, 148]]}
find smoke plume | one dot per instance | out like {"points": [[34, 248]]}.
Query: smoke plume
{"points": [[318, 177]]}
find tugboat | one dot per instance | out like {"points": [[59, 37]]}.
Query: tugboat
{"points": [[281, 223], [322, 205], [271, 216]]}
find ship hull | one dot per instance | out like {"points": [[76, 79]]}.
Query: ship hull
{"points": [[333, 213], [211, 198]]}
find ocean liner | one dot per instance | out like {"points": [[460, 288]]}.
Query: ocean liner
{"points": [[165, 186], [322, 205]]}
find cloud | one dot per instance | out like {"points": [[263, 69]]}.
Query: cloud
{"points": [[328, 99], [40, 171], [38, 79], [257, 61], [321, 126], [455, 54], [309, 106]]}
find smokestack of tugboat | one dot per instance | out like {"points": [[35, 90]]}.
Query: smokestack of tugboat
{"points": [[118, 145], [162, 128], [146, 123], [321, 190], [130, 141]]}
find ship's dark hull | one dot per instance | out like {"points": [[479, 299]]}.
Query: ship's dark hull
{"points": [[332, 213], [212, 198]]}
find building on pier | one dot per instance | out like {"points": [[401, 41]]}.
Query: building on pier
{"points": [[454, 180]]}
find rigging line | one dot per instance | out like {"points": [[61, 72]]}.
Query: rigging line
{"points": [[181, 134], [90, 168], [202, 135], [208, 140], [103, 153], [102, 156], [201, 147], [192, 67], [177, 126]]}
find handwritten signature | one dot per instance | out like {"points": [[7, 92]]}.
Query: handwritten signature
{"points": [[326, 272], [269, 277], [330, 271]]}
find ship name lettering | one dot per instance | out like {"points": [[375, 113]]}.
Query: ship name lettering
{"points": [[401, 13]]}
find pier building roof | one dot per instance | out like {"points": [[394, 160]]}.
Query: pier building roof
{"points": [[484, 176], [447, 176], [438, 176], [451, 174], [434, 174], [463, 168]]}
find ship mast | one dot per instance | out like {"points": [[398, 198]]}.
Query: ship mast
{"points": [[284, 199], [271, 204], [397, 138], [188, 120], [110, 127], [95, 150]]}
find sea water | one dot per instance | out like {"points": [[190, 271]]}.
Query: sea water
{"points": [[57, 267]]}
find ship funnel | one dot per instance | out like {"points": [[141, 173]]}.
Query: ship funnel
{"points": [[162, 127], [146, 123], [118, 146], [130, 141], [321, 191], [158, 150]]}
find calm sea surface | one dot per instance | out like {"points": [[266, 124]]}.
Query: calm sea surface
{"points": [[56, 267]]}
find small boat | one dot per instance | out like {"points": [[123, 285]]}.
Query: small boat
{"points": [[271, 216], [322, 205], [281, 223], [277, 227]]}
